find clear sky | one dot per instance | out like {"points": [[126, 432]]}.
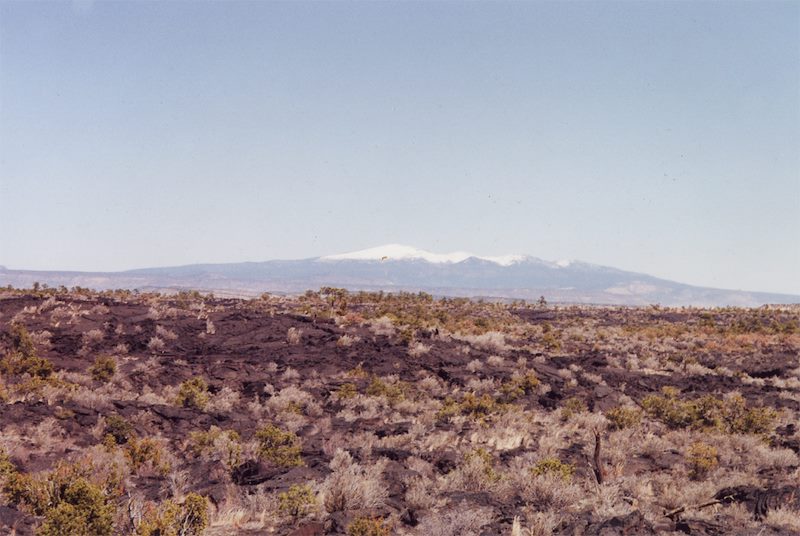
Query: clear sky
{"points": [[656, 137]]}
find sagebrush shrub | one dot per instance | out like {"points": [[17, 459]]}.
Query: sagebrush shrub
{"points": [[103, 369], [553, 466], [173, 519], [279, 447], [367, 526], [193, 393], [298, 501], [702, 458], [623, 417]]}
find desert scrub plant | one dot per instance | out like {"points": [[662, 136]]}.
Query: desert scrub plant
{"points": [[173, 519], [279, 447], [471, 405], [156, 344], [476, 472], [22, 341], [103, 369], [357, 372], [146, 451], [553, 466], [293, 335], [571, 407], [117, 429], [394, 392], [345, 391], [351, 486], [7, 469], [367, 526], [193, 393], [20, 362], [224, 445], [551, 339], [297, 502], [67, 498], [622, 417], [730, 415], [519, 386], [740, 419], [702, 458]]}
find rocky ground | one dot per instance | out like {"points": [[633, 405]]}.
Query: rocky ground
{"points": [[370, 414]]}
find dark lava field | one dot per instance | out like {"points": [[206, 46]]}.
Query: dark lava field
{"points": [[371, 414]]}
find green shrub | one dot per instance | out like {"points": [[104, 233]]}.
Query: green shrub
{"points": [[479, 407], [119, 429], [194, 518], [227, 445], [739, 419], [6, 467], [279, 447], [485, 460], [571, 407], [22, 358], [81, 509], [22, 340], [519, 386], [702, 458], [730, 415], [142, 451], [18, 364], [475, 407], [173, 519], [161, 520], [193, 393], [298, 501], [624, 417], [367, 526], [394, 392], [103, 369], [553, 466], [346, 390], [66, 498]]}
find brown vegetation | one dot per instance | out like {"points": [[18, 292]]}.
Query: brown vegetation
{"points": [[376, 414]]}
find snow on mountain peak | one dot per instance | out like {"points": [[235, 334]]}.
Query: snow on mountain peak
{"points": [[396, 252]]}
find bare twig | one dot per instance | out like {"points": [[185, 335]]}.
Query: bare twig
{"points": [[599, 472], [680, 510]]}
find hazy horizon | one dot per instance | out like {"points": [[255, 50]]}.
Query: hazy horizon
{"points": [[657, 137]]}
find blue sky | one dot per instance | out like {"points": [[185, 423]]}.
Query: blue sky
{"points": [[655, 137]]}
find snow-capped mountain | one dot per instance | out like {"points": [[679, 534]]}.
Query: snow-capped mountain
{"points": [[396, 267], [399, 252]]}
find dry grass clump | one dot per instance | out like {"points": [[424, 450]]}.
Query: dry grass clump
{"points": [[293, 335], [352, 486], [462, 520], [156, 345]]}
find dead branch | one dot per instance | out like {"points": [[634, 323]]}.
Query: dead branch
{"points": [[673, 513], [599, 472]]}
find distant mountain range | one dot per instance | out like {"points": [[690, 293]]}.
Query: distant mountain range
{"points": [[394, 268]]}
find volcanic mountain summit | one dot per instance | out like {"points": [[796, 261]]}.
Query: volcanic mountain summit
{"points": [[396, 267]]}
